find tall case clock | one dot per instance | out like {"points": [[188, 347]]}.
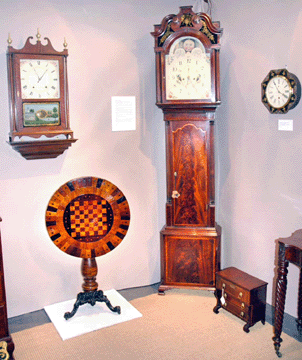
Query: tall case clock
{"points": [[187, 49]]}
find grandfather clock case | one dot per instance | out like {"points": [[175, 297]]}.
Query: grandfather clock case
{"points": [[188, 92]]}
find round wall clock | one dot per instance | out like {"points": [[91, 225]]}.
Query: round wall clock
{"points": [[280, 91], [87, 217]]}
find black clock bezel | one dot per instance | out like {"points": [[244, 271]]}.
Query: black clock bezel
{"points": [[295, 86]]}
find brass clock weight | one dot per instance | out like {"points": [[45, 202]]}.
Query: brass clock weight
{"points": [[187, 47], [38, 98], [86, 218]]}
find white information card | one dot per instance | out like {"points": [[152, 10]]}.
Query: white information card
{"points": [[285, 125], [123, 110]]}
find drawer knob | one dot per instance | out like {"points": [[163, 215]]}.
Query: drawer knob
{"points": [[240, 295], [242, 305], [225, 304], [242, 314], [223, 286], [225, 295]]}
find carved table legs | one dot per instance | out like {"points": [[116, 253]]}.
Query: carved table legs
{"points": [[91, 298], [280, 298], [91, 293]]}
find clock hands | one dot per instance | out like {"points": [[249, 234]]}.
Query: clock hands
{"points": [[36, 72], [39, 78], [281, 93]]}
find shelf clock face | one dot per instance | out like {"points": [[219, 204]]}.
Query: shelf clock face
{"points": [[87, 217], [188, 70], [39, 79], [278, 91]]}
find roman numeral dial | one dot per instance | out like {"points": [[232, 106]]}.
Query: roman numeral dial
{"points": [[39, 79], [278, 91]]}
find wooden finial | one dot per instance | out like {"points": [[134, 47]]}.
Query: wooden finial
{"points": [[9, 40], [65, 43], [38, 35]]}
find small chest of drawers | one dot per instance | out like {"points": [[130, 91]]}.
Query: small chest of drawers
{"points": [[242, 295]]}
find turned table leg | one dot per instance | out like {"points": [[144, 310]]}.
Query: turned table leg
{"points": [[280, 298], [299, 320]]}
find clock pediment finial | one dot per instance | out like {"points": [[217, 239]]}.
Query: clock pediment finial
{"points": [[38, 47], [9, 40], [187, 19], [38, 35]]}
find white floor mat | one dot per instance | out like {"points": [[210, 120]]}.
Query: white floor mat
{"points": [[89, 318]]}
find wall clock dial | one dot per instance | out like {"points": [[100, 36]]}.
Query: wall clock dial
{"points": [[281, 91], [39, 79]]}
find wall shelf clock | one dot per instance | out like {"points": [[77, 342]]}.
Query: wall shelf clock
{"points": [[280, 91], [88, 217], [38, 98], [187, 49]]}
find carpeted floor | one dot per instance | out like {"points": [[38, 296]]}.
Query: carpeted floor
{"points": [[180, 325]]}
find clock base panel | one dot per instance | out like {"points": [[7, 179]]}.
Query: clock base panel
{"points": [[190, 258]]}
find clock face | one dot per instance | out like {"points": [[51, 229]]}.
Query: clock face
{"points": [[39, 79], [188, 70], [278, 91]]}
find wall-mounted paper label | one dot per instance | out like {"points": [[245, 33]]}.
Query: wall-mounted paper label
{"points": [[285, 125], [123, 113]]}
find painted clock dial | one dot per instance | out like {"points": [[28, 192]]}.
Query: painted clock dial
{"points": [[87, 217], [278, 91], [188, 70], [39, 79]]}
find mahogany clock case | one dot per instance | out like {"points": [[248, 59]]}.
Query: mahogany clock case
{"points": [[38, 98], [189, 93]]}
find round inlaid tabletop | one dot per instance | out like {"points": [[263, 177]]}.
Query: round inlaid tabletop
{"points": [[87, 217]]}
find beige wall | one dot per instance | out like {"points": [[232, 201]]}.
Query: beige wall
{"points": [[111, 53]]}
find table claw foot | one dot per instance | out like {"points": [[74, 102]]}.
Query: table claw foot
{"points": [[216, 308], [246, 328], [91, 298]]}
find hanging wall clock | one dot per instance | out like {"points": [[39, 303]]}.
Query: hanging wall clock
{"points": [[187, 49], [38, 96], [280, 91]]}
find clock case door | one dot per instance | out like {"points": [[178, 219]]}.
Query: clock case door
{"points": [[190, 240]]}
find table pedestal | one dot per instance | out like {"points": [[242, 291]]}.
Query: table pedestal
{"points": [[91, 293]]}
